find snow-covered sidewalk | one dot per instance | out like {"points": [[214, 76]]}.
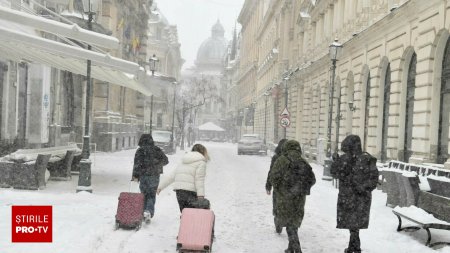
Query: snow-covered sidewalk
{"points": [[84, 222]]}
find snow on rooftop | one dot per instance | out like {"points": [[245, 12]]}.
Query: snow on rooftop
{"points": [[209, 126]]}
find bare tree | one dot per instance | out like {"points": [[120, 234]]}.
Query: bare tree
{"points": [[195, 92]]}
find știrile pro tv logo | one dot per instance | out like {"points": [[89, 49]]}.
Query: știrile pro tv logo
{"points": [[31, 224]]}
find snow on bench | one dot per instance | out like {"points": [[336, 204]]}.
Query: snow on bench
{"points": [[422, 215]]}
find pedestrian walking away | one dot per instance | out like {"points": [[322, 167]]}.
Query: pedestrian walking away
{"points": [[292, 178], [358, 177], [188, 178], [148, 166], [278, 228]]}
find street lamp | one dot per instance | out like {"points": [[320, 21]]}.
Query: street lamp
{"points": [[334, 53], [266, 95], [152, 61], [351, 106], [90, 7]]}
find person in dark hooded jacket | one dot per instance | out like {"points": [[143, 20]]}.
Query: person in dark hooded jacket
{"points": [[292, 178], [358, 177], [277, 154], [148, 162]]}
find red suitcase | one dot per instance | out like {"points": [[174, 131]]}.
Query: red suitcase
{"points": [[196, 230], [130, 210]]}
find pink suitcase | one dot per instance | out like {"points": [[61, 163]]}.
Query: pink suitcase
{"points": [[196, 230], [130, 210]]}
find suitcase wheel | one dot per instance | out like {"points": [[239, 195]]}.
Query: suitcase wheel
{"points": [[138, 227], [116, 225]]}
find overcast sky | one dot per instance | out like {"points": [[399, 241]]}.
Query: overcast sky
{"points": [[195, 18]]}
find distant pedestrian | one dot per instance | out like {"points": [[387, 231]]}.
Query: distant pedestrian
{"points": [[148, 165], [188, 178], [292, 178], [358, 177], [278, 227]]}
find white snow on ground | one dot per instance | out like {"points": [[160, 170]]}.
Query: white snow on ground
{"points": [[83, 222]]}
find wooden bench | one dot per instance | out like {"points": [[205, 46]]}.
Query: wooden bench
{"points": [[432, 212]]}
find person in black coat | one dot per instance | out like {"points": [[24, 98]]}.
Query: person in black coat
{"points": [[358, 177], [148, 162], [278, 227]]}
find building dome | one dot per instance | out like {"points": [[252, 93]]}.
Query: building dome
{"points": [[213, 49], [217, 30]]}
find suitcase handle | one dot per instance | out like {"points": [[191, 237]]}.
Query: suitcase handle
{"points": [[137, 186]]}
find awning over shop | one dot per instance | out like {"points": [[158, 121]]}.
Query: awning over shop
{"points": [[17, 46], [70, 31], [20, 43]]}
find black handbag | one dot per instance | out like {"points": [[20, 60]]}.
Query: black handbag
{"points": [[201, 204]]}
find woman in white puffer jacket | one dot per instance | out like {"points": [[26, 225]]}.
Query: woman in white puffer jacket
{"points": [[189, 177]]}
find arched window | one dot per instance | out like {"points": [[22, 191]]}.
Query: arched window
{"points": [[366, 113], [444, 109], [385, 126], [410, 89]]}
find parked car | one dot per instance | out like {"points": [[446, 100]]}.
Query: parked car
{"points": [[162, 140], [251, 144]]}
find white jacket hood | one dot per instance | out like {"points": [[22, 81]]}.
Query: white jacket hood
{"points": [[192, 157], [189, 175]]}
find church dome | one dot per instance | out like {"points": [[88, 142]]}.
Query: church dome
{"points": [[213, 49]]}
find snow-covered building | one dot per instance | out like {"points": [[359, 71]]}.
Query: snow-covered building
{"points": [[43, 64], [208, 69], [391, 81]]}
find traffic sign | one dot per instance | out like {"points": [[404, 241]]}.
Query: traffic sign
{"points": [[285, 122], [285, 113]]}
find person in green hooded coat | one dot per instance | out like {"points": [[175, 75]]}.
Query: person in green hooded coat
{"points": [[292, 177], [277, 154]]}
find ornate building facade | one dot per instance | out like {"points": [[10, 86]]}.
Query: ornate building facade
{"points": [[163, 43], [44, 106], [390, 83]]}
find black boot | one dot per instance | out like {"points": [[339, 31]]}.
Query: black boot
{"points": [[352, 251], [278, 229], [288, 250]]}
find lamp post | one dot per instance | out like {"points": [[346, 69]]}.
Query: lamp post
{"points": [[84, 179], [152, 61], [334, 53], [286, 79], [151, 114], [240, 121], [266, 95], [253, 107], [338, 120]]}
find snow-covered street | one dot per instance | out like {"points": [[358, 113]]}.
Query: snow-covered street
{"points": [[84, 222]]}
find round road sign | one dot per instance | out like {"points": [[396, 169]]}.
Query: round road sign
{"points": [[285, 122]]}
